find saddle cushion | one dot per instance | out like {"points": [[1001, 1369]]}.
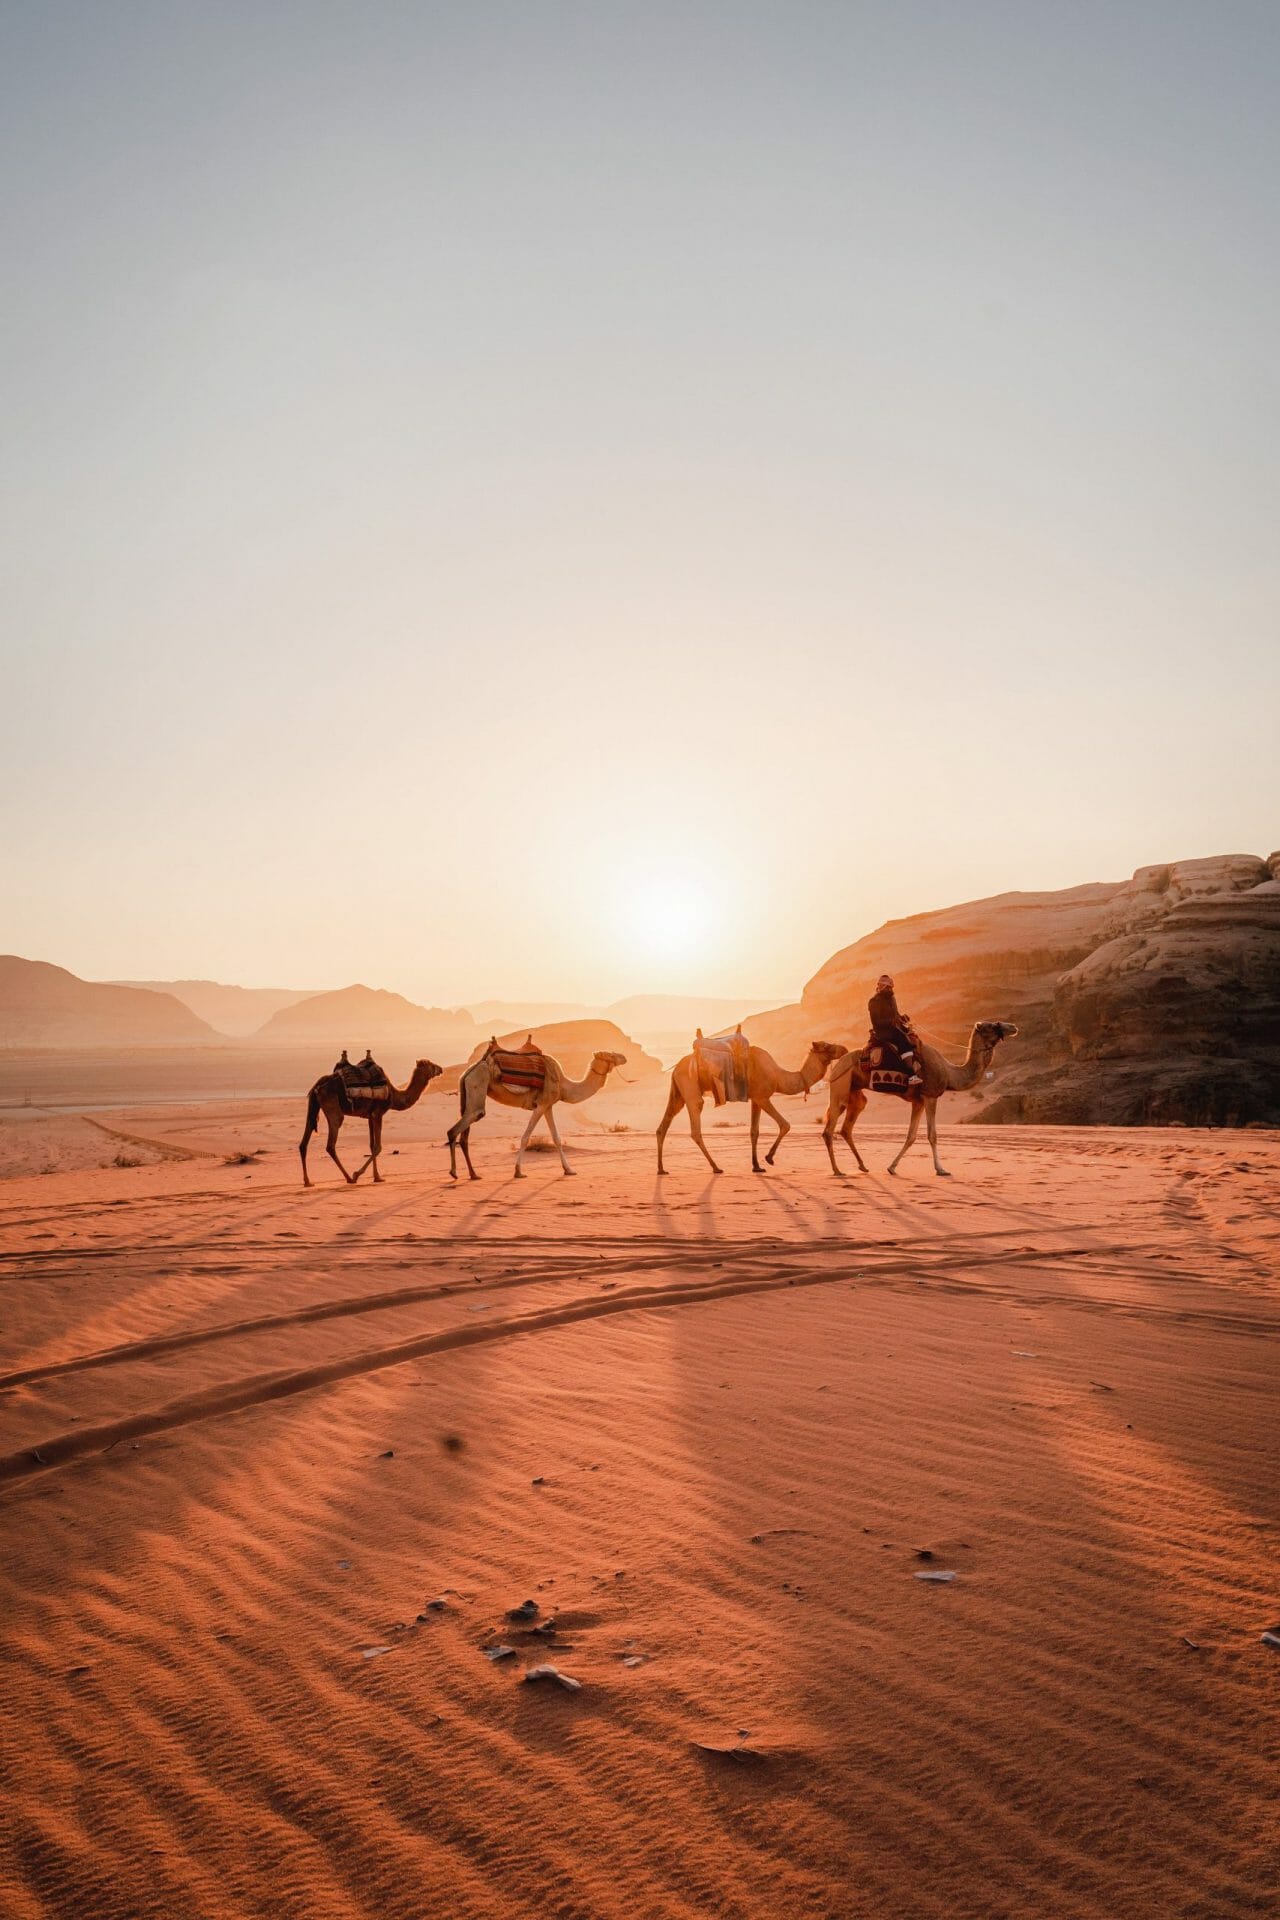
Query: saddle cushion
{"points": [[724, 1062], [362, 1084], [358, 1099]]}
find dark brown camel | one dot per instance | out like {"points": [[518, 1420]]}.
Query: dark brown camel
{"points": [[327, 1098]]}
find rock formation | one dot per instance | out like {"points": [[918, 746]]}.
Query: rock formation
{"points": [[359, 1017], [45, 1006], [1147, 1000]]}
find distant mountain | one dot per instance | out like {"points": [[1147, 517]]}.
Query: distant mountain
{"points": [[663, 1023], [495, 1016], [359, 1017], [572, 1043], [1143, 1000], [232, 1010], [45, 1006]]}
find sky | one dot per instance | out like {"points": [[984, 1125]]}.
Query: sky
{"points": [[572, 500]]}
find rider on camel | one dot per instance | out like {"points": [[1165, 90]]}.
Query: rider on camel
{"points": [[890, 1028]]}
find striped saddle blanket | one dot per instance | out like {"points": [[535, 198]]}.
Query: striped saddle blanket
{"points": [[524, 1071]]}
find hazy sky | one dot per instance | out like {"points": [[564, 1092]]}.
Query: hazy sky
{"points": [[578, 499]]}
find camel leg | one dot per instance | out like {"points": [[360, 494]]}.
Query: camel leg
{"points": [[675, 1100], [784, 1128], [534, 1118], [857, 1101], [829, 1129], [459, 1134], [371, 1160], [931, 1123], [375, 1145], [912, 1130], [555, 1135], [307, 1132], [755, 1139], [331, 1147], [695, 1128]]}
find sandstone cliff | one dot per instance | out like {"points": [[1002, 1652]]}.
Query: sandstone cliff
{"points": [[1152, 999]]}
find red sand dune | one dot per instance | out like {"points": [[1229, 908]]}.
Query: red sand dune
{"points": [[712, 1428]]}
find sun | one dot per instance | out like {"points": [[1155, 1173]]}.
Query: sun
{"points": [[667, 918]]}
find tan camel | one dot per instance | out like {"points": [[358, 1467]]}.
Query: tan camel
{"points": [[482, 1081], [326, 1097], [850, 1083], [691, 1082]]}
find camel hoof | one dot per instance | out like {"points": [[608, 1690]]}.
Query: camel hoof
{"points": [[942, 1173], [517, 1175]]}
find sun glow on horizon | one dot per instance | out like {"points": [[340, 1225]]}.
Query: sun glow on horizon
{"points": [[667, 919]]}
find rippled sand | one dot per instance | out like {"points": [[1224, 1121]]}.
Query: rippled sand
{"points": [[715, 1429]]}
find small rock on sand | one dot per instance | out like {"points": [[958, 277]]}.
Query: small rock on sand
{"points": [[524, 1613], [1271, 1639], [937, 1578], [499, 1653], [553, 1673]]}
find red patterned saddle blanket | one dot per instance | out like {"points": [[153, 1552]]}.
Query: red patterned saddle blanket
{"points": [[524, 1069]]}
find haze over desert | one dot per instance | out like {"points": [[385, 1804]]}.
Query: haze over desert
{"points": [[639, 961]]}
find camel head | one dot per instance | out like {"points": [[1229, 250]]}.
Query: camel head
{"points": [[989, 1033], [828, 1052], [427, 1069], [604, 1063]]}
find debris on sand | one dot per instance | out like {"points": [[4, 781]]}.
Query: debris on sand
{"points": [[553, 1673], [390, 1454], [938, 1578], [371, 1653], [1271, 1639], [524, 1614], [737, 1751], [499, 1653], [924, 1553]]}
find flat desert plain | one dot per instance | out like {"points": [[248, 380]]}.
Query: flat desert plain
{"points": [[912, 1540]]}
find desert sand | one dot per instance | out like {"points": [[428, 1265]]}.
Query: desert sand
{"points": [[276, 1464]]}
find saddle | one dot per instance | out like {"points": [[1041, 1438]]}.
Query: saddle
{"points": [[884, 1070], [722, 1065], [362, 1083], [523, 1069]]}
